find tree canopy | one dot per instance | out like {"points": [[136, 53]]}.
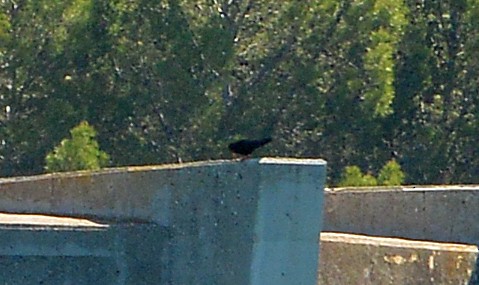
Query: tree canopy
{"points": [[80, 152], [356, 82]]}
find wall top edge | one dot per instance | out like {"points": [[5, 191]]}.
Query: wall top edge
{"points": [[292, 160], [395, 242], [408, 188], [173, 166]]}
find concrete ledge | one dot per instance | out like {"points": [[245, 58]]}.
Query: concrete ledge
{"points": [[435, 213], [355, 259], [466, 187], [31, 220]]}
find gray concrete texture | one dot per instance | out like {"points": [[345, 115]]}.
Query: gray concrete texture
{"points": [[355, 259], [440, 213], [221, 222], [37, 249]]}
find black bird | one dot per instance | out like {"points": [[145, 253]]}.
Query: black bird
{"points": [[246, 147]]}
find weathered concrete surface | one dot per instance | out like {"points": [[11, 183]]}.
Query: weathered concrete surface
{"points": [[130, 193], [441, 213], [228, 222], [244, 216], [286, 232], [36, 249], [353, 259]]}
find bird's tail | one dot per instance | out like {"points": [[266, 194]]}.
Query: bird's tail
{"points": [[265, 141]]}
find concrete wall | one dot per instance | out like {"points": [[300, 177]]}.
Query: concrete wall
{"points": [[442, 213], [435, 213], [231, 222], [38, 249], [227, 222], [354, 259]]}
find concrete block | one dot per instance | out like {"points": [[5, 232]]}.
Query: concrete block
{"points": [[249, 222], [212, 223], [439, 213], [288, 221], [355, 259]]}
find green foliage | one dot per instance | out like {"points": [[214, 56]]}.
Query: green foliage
{"points": [[352, 176], [4, 28], [80, 152], [379, 63], [391, 174], [164, 81], [388, 21]]}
